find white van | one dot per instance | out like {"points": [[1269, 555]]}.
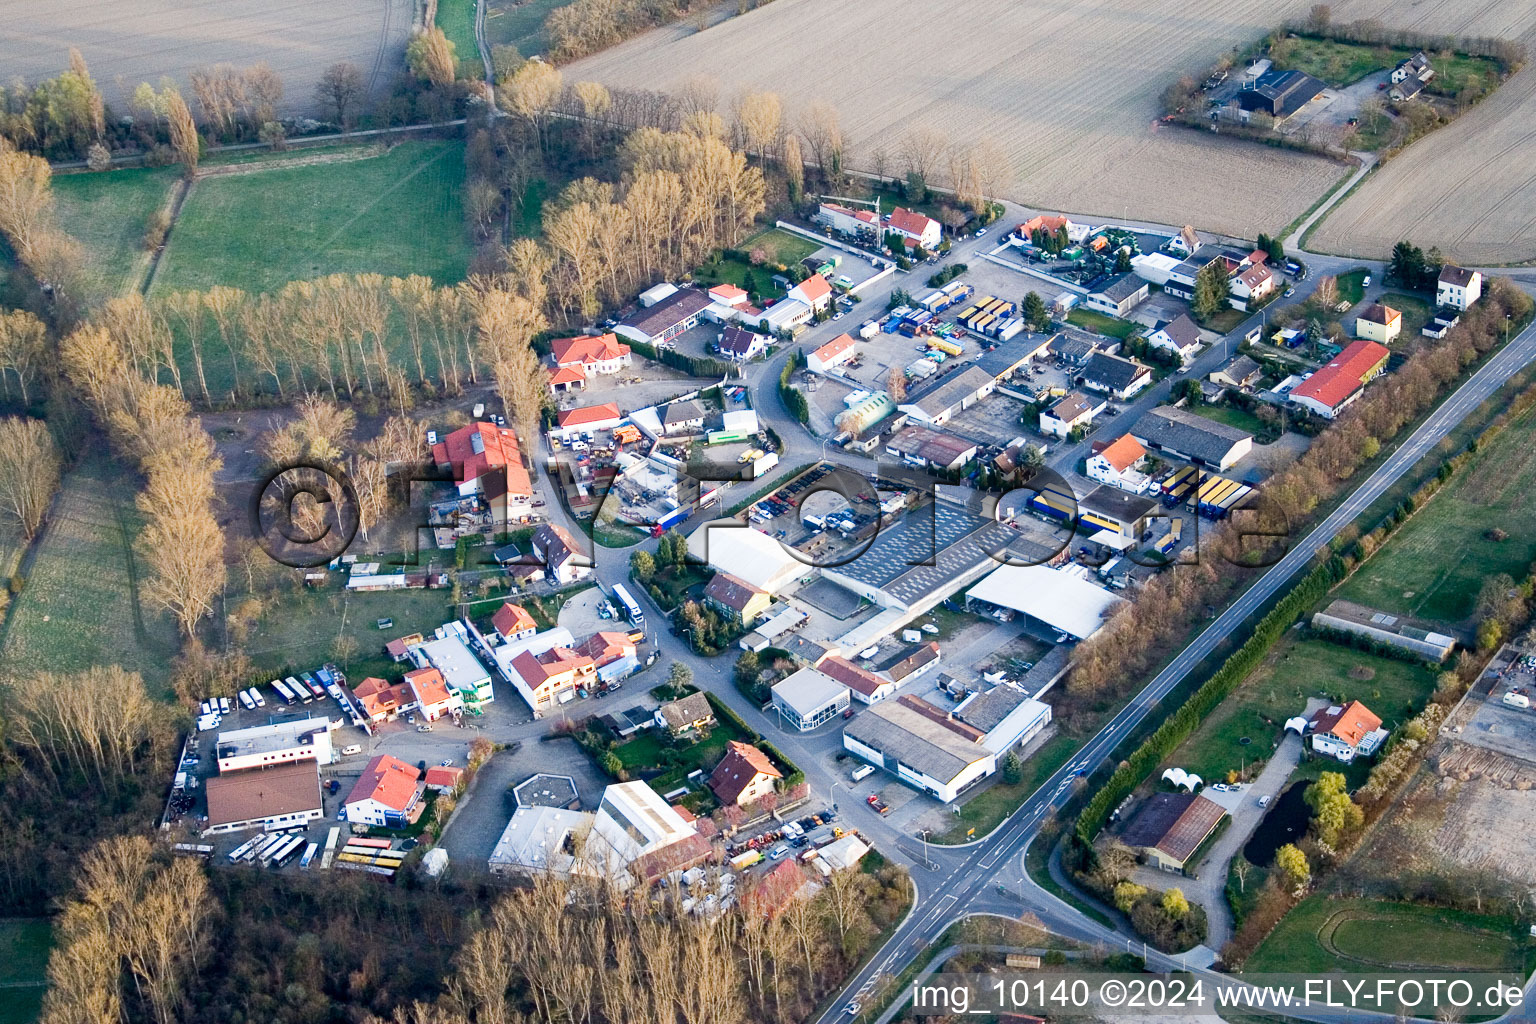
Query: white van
{"points": [[350, 749], [862, 772]]}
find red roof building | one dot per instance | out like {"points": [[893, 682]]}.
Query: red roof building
{"points": [[866, 686], [382, 700], [1341, 381], [386, 794], [513, 622], [431, 693], [1123, 453], [744, 775], [591, 417], [443, 778], [914, 228], [485, 459], [567, 378], [604, 353], [605, 647], [814, 291], [834, 353]]}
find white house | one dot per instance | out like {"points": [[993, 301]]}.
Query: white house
{"points": [[1344, 731], [914, 228], [831, 355], [1075, 409], [814, 291], [741, 345], [1119, 295], [385, 794], [1252, 283], [1458, 287], [1116, 465], [858, 223], [1180, 336]]}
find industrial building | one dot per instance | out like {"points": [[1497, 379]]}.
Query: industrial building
{"points": [[809, 698], [1170, 828], [304, 739], [283, 796], [1193, 438], [1063, 600]]}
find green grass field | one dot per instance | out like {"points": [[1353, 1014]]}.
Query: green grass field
{"points": [[1351, 286], [1327, 932], [984, 811], [80, 606], [1416, 313], [108, 213], [1338, 64], [508, 22], [23, 974], [645, 753], [457, 20], [1093, 320], [1232, 416], [395, 213], [1279, 688], [299, 629], [1435, 565], [781, 246]]}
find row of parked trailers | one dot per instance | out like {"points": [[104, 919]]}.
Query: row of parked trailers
{"points": [[279, 849], [1056, 501], [940, 299], [991, 316], [1210, 495]]}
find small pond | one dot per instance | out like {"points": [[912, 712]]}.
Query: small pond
{"points": [[1286, 822]]}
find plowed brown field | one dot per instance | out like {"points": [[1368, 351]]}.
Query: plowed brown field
{"points": [[1068, 90], [1469, 188], [126, 42]]}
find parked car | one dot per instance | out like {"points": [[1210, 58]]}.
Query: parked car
{"points": [[778, 852], [1264, 801]]}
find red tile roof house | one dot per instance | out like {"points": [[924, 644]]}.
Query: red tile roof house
{"points": [[588, 418], [864, 685], [382, 701], [513, 622], [1342, 380], [602, 354], [1344, 731], [443, 778], [567, 378], [486, 460], [778, 887], [431, 693], [744, 775], [814, 291], [387, 794], [915, 228]]}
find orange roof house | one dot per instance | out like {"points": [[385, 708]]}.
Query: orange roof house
{"points": [[834, 353], [1123, 453], [567, 378], [381, 700], [1351, 723], [865, 685], [386, 794], [604, 353], [1042, 222], [431, 693], [485, 459], [814, 291], [605, 646], [1341, 381], [443, 777], [514, 622], [588, 415]]}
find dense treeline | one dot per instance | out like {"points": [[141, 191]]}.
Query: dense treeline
{"points": [[1319, 24], [587, 26]]}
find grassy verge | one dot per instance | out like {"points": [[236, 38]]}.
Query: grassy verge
{"points": [[1352, 285], [1092, 320], [519, 23], [108, 212], [987, 809], [457, 20], [1232, 416], [1037, 863]]}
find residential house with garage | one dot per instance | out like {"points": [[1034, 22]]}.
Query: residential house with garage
{"points": [[741, 345], [382, 701], [1458, 287], [552, 677], [1179, 337], [1115, 375], [431, 693], [685, 417], [744, 775], [865, 686], [1116, 464], [592, 354], [1073, 410], [386, 795], [1251, 284], [1242, 373], [613, 654], [514, 622], [814, 291]]}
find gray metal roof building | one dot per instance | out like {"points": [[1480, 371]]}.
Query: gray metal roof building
{"points": [[1191, 436]]}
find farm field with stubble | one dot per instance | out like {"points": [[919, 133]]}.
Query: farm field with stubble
{"points": [[1069, 92], [126, 42], [1468, 187]]}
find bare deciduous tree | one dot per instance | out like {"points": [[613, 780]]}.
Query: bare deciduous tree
{"points": [[339, 90], [29, 472]]}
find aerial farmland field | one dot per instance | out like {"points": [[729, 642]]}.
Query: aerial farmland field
{"points": [[1069, 92], [1467, 188], [126, 42]]}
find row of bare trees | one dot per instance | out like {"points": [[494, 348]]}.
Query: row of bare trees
{"points": [[1113, 659], [130, 941], [565, 949], [28, 224], [181, 543], [94, 728]]}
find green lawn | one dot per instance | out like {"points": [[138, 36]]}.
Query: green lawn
{"points": [[1435, 565], [26, 941], [1328, 932], [674, 584], [108, 213], [1351, 286], [1232, 416], [1225, 321], [1339, 64], [1093, 320], [1456, 72], [648, 752], [299, 628], [457, 20], [1416, 312], [81, 605], [394, 213], [1279, 688], [781, 246], [519, 24], [984, 811]]}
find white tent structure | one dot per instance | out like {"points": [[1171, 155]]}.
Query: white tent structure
{"points": [[728, 546], [1063, 599], [1187, 781], [1298, 725]]}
